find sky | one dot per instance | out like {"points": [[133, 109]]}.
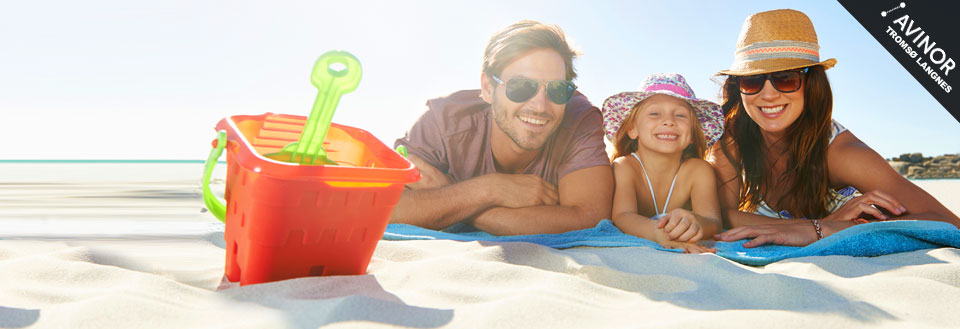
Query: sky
{"points": [[142, 80]]}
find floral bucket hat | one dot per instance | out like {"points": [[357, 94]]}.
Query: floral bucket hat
{"points": [[616, 107]]}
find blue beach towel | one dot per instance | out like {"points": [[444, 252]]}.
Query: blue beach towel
{"points": [[872, 239]]}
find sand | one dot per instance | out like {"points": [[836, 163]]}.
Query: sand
{"points": [[135, 252], [945, 190]]}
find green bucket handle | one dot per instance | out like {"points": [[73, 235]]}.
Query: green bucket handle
{"points": [[217, 208]]}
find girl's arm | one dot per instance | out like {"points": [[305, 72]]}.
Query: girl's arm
{"points": [[703, 197], [624, 209]]}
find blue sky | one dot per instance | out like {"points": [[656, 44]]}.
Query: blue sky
{"points": [[149, 80]]}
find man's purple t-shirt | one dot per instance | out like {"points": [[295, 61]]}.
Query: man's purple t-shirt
{"points": [[453, 135]]}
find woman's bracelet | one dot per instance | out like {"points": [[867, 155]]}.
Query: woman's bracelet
{"points": [[816, 225]]}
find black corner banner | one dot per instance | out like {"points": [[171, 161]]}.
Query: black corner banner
{"points": [[924, 36]]}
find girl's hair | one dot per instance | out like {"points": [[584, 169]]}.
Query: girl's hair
{"points": [[624, 145], [806, 175]]}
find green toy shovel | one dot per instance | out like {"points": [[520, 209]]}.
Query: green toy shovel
{"points": [[335, 73]]}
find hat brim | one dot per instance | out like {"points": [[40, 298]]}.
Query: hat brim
{"points": [[774, 65]]}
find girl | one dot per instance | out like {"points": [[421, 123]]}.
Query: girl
{"points": [[665, 191], [787, 172]]}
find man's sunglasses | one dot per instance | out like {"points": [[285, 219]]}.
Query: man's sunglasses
{"points": [[519, 90], [783, 81]]}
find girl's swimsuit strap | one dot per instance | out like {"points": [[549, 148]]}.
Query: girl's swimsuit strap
{"points": [[652, 194]]}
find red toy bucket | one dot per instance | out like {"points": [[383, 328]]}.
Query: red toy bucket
{"points": [[285, 220]]}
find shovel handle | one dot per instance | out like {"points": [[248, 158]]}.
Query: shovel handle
{"points": [[335, 73]]}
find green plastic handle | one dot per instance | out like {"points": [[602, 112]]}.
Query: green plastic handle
{"points": [[217, 208], [334, 74]]}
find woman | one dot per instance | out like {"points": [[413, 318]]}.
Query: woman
{"points": [[787, 173]]}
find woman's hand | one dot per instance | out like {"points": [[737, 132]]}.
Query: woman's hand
{"points": [[680, 225], [790, 234], [795, 234], [868, 204]]}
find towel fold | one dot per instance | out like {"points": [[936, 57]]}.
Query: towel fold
{"points": [[605, 234], [871, 239]]}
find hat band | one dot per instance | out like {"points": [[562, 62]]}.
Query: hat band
{"points": [[668, 87], [779, 49]]}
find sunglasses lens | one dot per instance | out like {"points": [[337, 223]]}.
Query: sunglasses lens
{"points": [[786, 81], [752, 84], [560, 91], [520, 90]]}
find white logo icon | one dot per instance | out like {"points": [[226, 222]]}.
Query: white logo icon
{"points": [[884, 13]]}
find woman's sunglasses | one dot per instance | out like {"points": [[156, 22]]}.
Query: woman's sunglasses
{"points": [[519, 90], [783, 81]]}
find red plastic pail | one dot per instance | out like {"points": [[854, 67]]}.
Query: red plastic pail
{"points": [[286, 220]]}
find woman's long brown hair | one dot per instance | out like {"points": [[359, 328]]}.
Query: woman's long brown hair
{"points": [[806, 176]]}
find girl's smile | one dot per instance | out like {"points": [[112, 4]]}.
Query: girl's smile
{"points": [[666, 137]]}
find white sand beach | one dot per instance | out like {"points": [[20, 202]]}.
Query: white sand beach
{"points": [[119, 245], [945, 190]]}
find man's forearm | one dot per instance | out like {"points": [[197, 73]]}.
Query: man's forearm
{"points": [[440, 207], [535, 220]]}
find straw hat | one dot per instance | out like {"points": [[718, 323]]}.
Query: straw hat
{"points": [[776, 40], [616, 107]]}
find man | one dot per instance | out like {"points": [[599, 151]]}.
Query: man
{"points": [[525, 157]]}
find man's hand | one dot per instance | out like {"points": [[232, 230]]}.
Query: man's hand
{"points": [[518, 191], [580, 201], [435, 202], [511, 191]]}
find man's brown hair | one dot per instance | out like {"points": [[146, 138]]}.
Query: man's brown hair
{"points": [[515, 40]]}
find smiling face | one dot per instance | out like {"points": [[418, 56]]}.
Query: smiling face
{"points": [[530, 123], [773, 110], [663, 125]]}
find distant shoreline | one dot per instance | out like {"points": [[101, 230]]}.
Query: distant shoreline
{"points": [[916, 166]]}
